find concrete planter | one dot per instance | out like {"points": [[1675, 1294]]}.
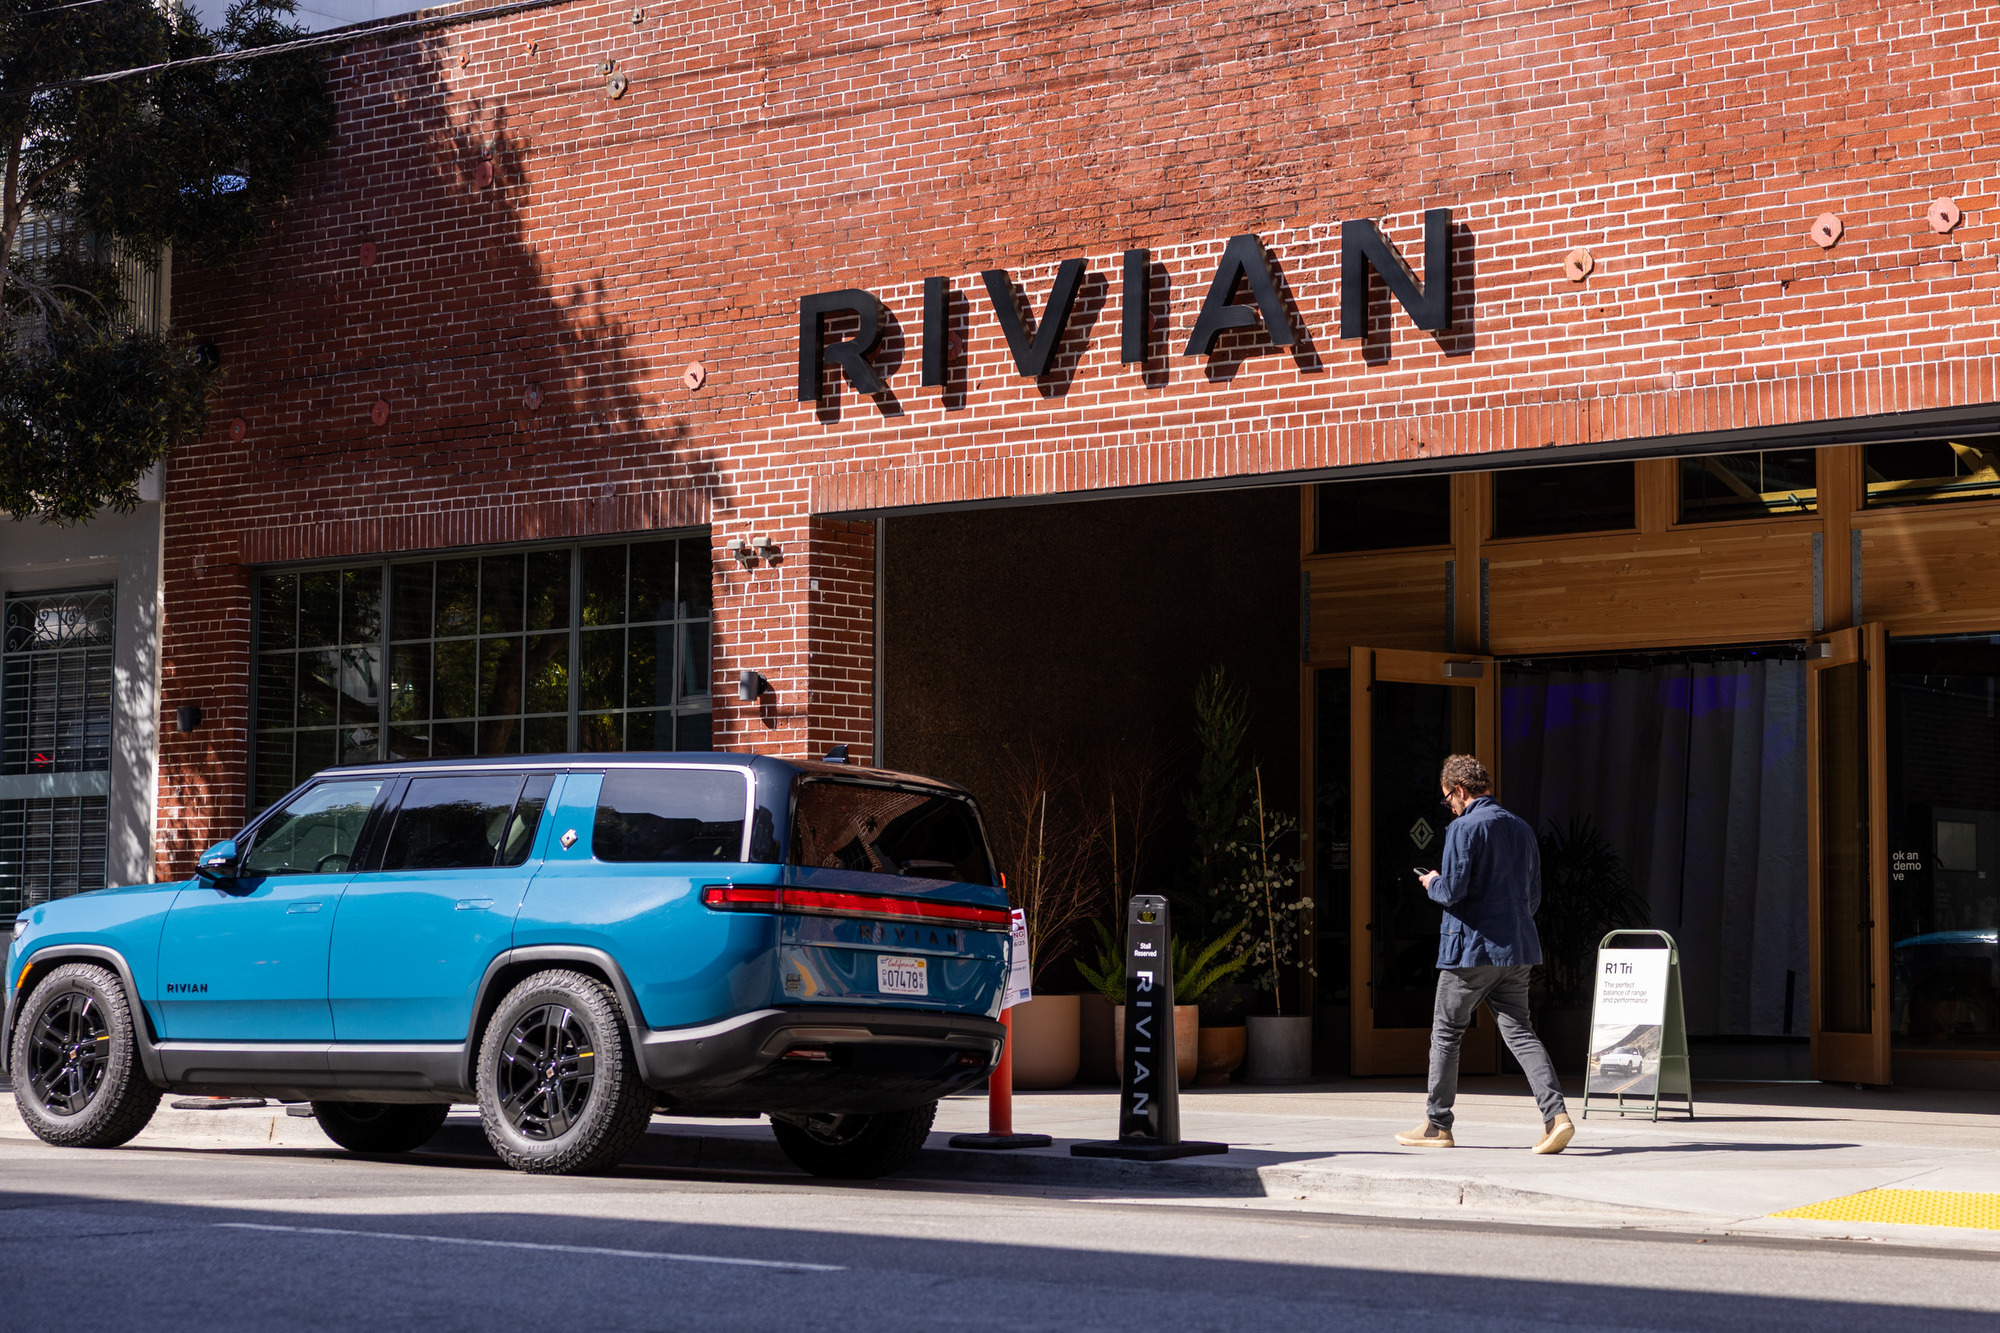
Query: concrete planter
{"points": [[1045, 1042], [1187, 1038], [1220, 1052], [1278, 1050]]}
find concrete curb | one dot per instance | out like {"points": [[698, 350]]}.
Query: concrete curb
{"points": [[681, 1147]]}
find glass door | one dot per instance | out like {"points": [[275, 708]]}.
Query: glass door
{"points": [[1847, 852], [1408, 711]]}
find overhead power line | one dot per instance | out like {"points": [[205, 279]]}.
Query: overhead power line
{"points": [[343, 37]]}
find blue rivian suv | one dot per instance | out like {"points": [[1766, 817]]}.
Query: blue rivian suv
{"points": [[573, 942]]}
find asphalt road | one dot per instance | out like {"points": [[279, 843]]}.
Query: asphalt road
{"points": [[253, 1239]]}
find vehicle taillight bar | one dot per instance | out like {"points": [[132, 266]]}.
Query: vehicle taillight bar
{"points": [[833, 902]]}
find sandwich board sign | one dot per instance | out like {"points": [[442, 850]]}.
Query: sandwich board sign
{"points": [[1020, 971], [1638, 1030]]}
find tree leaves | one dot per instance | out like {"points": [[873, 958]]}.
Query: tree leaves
{"points": [[194, 158], [85, 411]]}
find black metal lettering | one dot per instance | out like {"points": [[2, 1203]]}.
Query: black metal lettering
{"points": [[1243, 261], [1135, 322], [1032, 355], [851, 354], [1363, 249], [937, 331]]}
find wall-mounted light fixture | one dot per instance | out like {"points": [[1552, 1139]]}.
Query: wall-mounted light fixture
{"points": [[187, 717], [749, 685], [738, 549], [764, 547]]}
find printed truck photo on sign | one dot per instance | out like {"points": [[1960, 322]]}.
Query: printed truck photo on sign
{"points": [[1625, 1059]]}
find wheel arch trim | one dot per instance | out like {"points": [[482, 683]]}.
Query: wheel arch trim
{"points": [[56, 956], [486, 1002]]}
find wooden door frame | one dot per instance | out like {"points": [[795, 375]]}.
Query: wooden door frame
{"points": [[1401, 1050], [1852, 1057]]}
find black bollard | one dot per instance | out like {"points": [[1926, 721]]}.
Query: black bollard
{"points": [[1149, 1092]]}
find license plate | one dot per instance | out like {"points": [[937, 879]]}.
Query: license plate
{"points": [[902, 976]]}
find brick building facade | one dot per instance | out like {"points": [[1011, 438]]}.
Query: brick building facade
{"points": [[547, 285]]}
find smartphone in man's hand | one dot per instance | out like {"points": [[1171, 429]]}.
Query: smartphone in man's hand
{"points": [[1420, 871]]}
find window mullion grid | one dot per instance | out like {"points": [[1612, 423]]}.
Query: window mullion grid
{"points": [[575, 647], [384, 671]]}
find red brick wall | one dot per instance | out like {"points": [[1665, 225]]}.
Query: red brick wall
{"points": [[765, 152]]}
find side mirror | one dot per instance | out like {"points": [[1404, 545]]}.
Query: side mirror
{"points": [[218, 864]]}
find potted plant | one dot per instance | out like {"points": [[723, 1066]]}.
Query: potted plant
{"points": [[1198, 978], [1278, 1046], [1052, 837], [1107, 976]]}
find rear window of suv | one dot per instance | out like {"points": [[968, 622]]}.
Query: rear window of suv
{"points": [[889, 831], [671, 814]]}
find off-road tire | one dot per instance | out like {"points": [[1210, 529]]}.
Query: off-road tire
{"points": [[380, 1127], [855, 1147], [608, 1116], [121, 1102]]}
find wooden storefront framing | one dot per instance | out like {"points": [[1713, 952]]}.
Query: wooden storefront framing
{"points": [[1660, 585]]}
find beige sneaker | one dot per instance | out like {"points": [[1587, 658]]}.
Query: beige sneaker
{"points": [[1426, 1135], [1556, 1134]]}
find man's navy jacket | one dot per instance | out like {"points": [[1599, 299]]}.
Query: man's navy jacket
{"points": [[1490, 883]]}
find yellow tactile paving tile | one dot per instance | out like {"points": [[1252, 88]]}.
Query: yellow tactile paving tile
{"points": [[1917, 1208]]}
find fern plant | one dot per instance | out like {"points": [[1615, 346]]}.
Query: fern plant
{"points": [[1198, 969]]}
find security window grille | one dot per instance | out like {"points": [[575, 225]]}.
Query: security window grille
{"points": [[598, 647], [55, 745]]}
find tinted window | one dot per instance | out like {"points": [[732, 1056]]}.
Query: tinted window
{"points": [[1585, 497], [316, 833], [1926, 471], [888, 830], [452, 823], [1756, 485], [520, 839], [670, 814], [1380, 515]]}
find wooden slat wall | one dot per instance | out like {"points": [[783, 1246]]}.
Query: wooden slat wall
{"points": [[1731, 583], [1394, 599], [1932, 571], [1923, 571]]}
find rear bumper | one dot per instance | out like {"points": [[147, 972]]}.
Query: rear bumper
{"points": [[875, 1060]]}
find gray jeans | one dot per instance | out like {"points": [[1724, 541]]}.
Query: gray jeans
{"points": [[1505, 991]]}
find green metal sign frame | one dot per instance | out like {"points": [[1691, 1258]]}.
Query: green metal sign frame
{"points": [[1674, 1077]]}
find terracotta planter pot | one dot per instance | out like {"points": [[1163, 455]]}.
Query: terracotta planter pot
{"points": [[1220, 1051], [1187, 1038], [1100, 1060], [1277, 1050], [1045, 1042]]}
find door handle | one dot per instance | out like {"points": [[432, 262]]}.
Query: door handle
{"points": [[474, 904], [301, 908]]}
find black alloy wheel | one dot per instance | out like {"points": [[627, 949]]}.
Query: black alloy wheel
{"points": [[548, 1064], [854, 1147], [559, 1086], [69, 1051], [75, 1057]]}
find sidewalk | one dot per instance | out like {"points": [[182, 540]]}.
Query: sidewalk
{"points": [[1753, 1150]]}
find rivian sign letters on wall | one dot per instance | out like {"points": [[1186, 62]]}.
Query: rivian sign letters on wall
{"points": [[1244, 263]]}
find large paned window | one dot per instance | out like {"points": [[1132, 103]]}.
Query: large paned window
{"points": [[1909, 472], [1944, 843], [1759, 485], [597, 647], [55, 745]]}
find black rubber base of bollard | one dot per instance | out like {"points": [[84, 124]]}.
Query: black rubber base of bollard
{"points": [[1139, 1150], [1001, 1141]]}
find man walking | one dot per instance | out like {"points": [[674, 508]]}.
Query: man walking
{"points": [[1489, 883]]}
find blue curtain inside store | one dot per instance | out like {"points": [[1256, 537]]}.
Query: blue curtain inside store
{"points": [[1695, 773]]}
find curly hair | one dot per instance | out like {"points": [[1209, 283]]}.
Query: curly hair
{"points": [[1462, 770]]}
